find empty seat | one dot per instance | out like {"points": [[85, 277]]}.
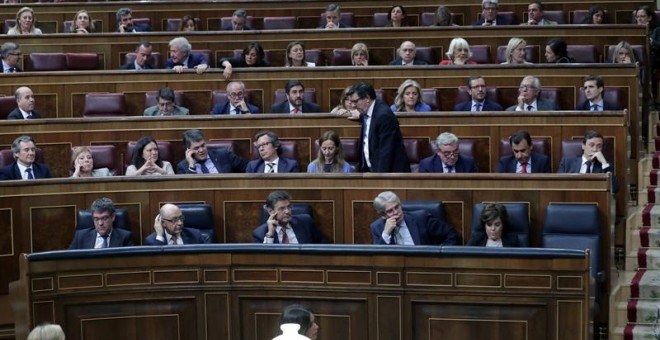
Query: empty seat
{"points": [[346, 19], [7, 105], [341, 57], [280, 23], [104, 104], [583, 53], [428, 18], [434, 208], [612, 95], [156, 59], [492, 94], [46, 62], [540, 145], [557, 16], [104, 156], [207, 54], [309, 96], [82, 61], [164, 152], [9, 23], [549, 94], [217, 144], [200, 217], [416, 150], [151, 98], [432, 98], [480, 54], [531, 54], [315, 56], [85, 221], [380, 20], [518, 223], [466, 147]]}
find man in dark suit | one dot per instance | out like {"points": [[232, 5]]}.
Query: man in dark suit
{"points": [[489, 16], [11, 56], [124, 17], [181, 58], [333, 17], [25, 102], [592, 159], [236, 104], [24, 165], [294, 103], [169, 230], [238, 20], [407, 55], [270, 149], [142, 55], [447, 157], [103, 235], [593, 91], [477, 90], [523, 160], [528, 100], [199, 160], [414, 228], [381, 142], [284, 227]]}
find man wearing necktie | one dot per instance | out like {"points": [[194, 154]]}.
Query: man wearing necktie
{"points": [[447, 158], [476, 88], [25, 102], [295, 102], [236, 103], [11, 57], [200, 160], [592, 159], [104, 234], [269, 147], [142, 55], [408, 228], [169, 230], [593, 88], [283, 226], [523, 159], [24, 166], [528, 98], [182, 58]]}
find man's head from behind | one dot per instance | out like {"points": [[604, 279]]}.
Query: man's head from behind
{"points": [[103, 215], [171, 218], [521, 146], [25, 150], [195, 141], [388, 205], [143, 53], [294, 92], [407, 51], [446, 147], [279, 203]]}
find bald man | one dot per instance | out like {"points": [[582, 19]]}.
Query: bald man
{"points": [[407, 55], [169, 230], [25, 101]]}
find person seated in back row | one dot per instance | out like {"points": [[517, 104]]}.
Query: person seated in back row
{"points": [[523, 160], [200, 160], [592, 159], [447, 158], [407, 55], [333, 17], [182, 58], [270, 148], [528, 99], [236, 104], [478, 92], [295, 102], [284, 227], [165, 105], [594, 87]]}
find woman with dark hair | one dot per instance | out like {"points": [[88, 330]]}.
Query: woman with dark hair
{"points": [[396, 17], [331, 155], [556, 53], [295, 55], [188, 24], [646, 16], [494, 220], [595, 16], [252, 56], [146, 160], [302, 316]]}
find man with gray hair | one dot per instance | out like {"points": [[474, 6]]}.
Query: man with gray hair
{"points": [[528, 98], [447, 158], [24, 165], [181, 57], [103, 235], [124, 18], [333, 17], [408, 228], [238, 21], [489, 15], [11, 56]]}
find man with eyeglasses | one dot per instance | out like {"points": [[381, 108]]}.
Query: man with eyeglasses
{"points": [[201, 160], [479, 102], [270, 148], [165, 105], [236, 104], [103, 235], [447, 158], [11, 56], [169, 230], [523, 160], [528, 98], [413, 228], [489, 15], [25, 103], [283, 226], [142, 54]]}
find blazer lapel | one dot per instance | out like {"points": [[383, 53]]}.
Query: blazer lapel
{"points": [[412, 228]]}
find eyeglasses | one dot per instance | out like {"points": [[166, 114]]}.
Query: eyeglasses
{"points": [[450, 153], [527, 87], [258, 146], [165, 104], [175, 219], [237, 94], [104, 219], [17, 54], [490, 9]]}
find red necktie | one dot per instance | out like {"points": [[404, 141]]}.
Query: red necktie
{"points": [[285, 237], [295, 110], [174, 242], [524, 168]]}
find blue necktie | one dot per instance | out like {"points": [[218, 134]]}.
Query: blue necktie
{"points": [[105, 241], [595, 107], [29, 173], [205, 170]]}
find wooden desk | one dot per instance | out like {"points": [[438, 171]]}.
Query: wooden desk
{"points": [[238, 292]]}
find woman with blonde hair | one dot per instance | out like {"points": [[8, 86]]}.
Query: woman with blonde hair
{"points": [[409, 98], [360, 55], [331, 155], [623, 53], [346, 107], [515, 52], [82, 23], [295, 55], [83, 164], [25, 21], [458, 53]]}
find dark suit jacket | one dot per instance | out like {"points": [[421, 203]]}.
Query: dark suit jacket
{"points": [[607, 106], [541, 105], [341, 25], [16, 114], [12, 172], [17, 68], [302, 225], [224, 160], [500, 19], [223, 109], [139, 28], [283, 165], [489, 105], [434, 164], [386, 150], [188, 235], [307, 107], [425, 230], [86, 239], [194, 59], [573, 165], [240, 62], [131, 66], [540, 164], [399, 61], [480, 239], [230, 28]]}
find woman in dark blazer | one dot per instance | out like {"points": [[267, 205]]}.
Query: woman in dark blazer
{"points": [[494, 219]]}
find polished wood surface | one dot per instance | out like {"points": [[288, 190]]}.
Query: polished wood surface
{"points": [[238, 292]]}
